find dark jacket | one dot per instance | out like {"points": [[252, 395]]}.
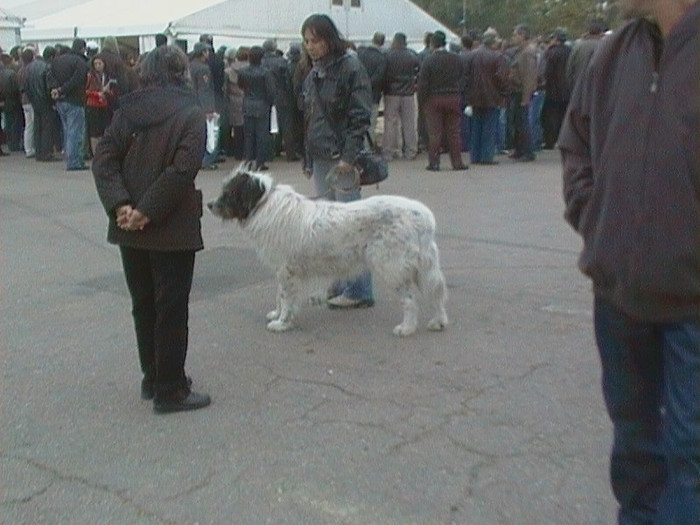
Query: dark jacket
{"points": [[337, 108], [374, 60], [203, 85], [441, 74], [632, 169], [149, 157], [34, 84], [259, 90], [580, 55], [10, 89], [277, 66], [555, 81], [488, 78], [68, 74], [401, 72]]}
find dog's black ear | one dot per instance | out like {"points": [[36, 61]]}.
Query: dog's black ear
{"points": [[252, 190]]}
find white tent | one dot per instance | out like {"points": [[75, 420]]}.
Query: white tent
{"points": [[95, 19], [232, 22], [357, 20], [10, 25]]}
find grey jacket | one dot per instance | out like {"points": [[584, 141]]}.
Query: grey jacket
{"points": [[632, 169], [337, 108]]}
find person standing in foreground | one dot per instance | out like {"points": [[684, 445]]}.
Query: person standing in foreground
{"points": [[631, 169], [337, 108], [144, 169]]}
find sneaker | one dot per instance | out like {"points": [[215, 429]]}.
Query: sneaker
{"points": [[343, 302]]}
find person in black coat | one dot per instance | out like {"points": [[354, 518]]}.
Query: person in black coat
{"points": [[259, 90], [144, 169], [557, 91]]}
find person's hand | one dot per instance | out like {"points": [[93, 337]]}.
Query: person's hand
{"points": [[55, 94], [122, 214], [136, 221], [131, 219]]}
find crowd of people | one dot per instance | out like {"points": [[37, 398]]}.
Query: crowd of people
{"points": [[486, 95], [630, 188]]}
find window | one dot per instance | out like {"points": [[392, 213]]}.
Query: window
{"points": [[355, 3], [337, 2]]}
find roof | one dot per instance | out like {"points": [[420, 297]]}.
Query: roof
{"points": [[99, 18], [241, 19], [235, 18]]}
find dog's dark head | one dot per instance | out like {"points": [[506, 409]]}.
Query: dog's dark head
{"points": [[240, 194]]}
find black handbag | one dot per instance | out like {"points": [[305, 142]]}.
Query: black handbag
{"points": [[370, 164]]}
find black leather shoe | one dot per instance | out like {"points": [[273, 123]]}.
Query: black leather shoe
{"points": [[179, 401], [461, 167], [431, 167], [148, 389]]}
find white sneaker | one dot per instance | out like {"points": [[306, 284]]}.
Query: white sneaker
{"points": [[342, 301]]}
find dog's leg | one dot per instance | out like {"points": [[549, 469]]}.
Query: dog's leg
{"points": [[410, 311], [436, 291], [287, 297], [275, 314]]}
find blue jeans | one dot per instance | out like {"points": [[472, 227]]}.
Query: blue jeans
{"points": [[73, 122], [257, 140], [651, 386], [501, 130], [359, 288], [483, 134], [535, 118]]}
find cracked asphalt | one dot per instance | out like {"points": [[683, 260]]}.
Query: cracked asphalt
{"points": [[499, 420]]}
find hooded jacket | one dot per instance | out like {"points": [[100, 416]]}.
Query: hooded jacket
{"points": [[632, 169], [149, 157]]}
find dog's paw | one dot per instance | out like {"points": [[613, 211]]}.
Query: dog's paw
{"points": [[274, 314], [436, 325], [279, 326], [404, 330]]}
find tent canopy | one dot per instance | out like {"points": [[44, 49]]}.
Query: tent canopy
{"points": [[282, 19], [234, 20]]}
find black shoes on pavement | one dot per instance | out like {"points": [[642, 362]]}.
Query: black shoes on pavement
{"points": [[179, 400]]}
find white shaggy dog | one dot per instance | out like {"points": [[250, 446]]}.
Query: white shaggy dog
{"points": [[305, 239]]}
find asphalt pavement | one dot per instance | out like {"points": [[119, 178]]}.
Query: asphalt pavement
{"points": [[498, 420]]}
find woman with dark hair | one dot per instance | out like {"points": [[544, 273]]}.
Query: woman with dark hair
{"points": [[144, 169], [100, 96], [337, 108]]}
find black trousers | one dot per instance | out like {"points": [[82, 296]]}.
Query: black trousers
{"points": [[553, 113], [160, 284]]}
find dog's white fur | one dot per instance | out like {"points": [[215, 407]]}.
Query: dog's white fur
{"points": [[304, 239]]}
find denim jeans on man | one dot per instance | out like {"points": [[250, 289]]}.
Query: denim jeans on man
{"points": [[73, 122], [535, 119], [483, 134], [359, 288], [651, 385]]}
